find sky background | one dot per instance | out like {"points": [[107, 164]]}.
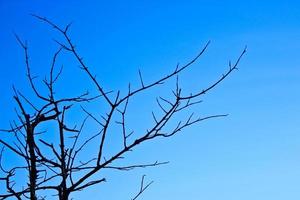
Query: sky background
{"points": [[251, 154]]}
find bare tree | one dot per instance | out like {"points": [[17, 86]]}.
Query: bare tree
{"points": [[56, 167]]}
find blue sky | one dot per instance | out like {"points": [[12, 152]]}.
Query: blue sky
{"points": [[251, 154]]}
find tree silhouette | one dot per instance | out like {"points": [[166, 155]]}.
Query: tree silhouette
{"points": [[56, 167]]}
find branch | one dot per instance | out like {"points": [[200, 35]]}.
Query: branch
{"points": [[142, 188]]}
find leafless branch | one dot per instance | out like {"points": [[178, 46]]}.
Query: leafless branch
{"points": [[64, 166], [143, 187]]}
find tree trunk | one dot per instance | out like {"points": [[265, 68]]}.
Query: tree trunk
{"points": [[63, 194], [32, 161]]}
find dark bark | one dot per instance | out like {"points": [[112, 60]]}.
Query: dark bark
{"points": [[32, 167]]}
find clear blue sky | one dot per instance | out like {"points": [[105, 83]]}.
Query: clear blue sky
{"points": [[251, 154]]}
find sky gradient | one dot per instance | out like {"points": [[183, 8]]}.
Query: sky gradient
{"points": [[251, 154]]}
